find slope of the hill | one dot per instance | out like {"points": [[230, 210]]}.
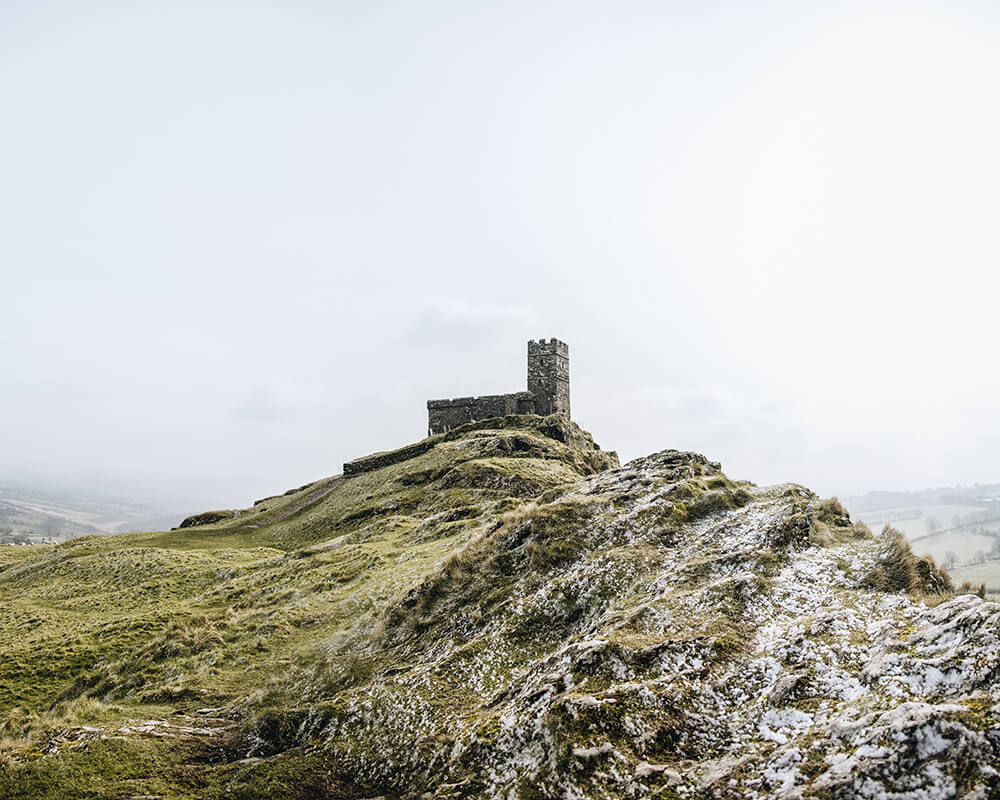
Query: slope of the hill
{"points": [[505, 615]]}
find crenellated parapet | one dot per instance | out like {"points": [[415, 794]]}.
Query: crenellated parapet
{"points": [[548, 346]]}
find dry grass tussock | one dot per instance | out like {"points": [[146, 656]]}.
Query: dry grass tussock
{"points": [[900, 570], [832, 524]]}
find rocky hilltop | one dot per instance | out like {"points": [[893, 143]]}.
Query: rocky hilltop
{"points": [[502, 613]]}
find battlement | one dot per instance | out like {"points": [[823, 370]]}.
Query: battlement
{"points": [[553, 346], [547, 393]]}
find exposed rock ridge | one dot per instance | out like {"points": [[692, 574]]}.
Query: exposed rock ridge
{"points": [[661, 631], [554, 426]]}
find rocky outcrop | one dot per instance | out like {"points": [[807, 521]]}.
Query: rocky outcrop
{"points": [[206, 518], [661, 631], [554, 426]]}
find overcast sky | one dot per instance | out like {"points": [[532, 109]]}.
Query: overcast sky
{"points": [[242, 243]]}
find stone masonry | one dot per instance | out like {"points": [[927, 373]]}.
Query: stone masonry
{"points": [[548, 392]]}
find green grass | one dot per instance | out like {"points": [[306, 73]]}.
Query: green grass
{"points": [[140, 624]]}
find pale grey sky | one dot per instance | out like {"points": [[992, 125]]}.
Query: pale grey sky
{"points": [[241, 243]]}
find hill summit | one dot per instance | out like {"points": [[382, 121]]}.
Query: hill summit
{"points": [[501, 611]]}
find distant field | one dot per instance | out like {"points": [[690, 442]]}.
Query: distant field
{"points": [[963, 543], [918, 525], [988, 573], [922, 507]]}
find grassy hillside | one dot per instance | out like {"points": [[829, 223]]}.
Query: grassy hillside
{"points": [[110, 631], [507, 614]]}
